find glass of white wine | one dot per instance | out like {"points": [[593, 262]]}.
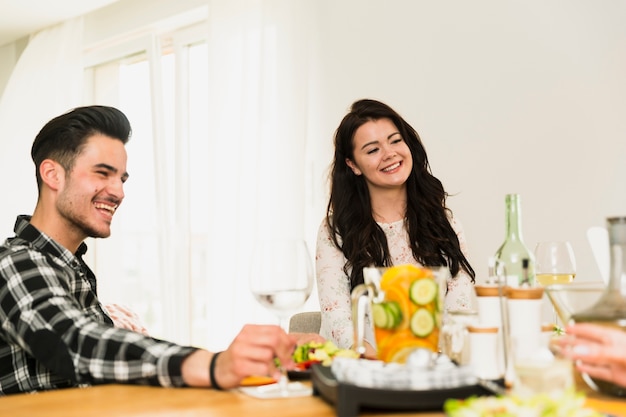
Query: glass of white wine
{"points": [[281, 280], [554, 264]]}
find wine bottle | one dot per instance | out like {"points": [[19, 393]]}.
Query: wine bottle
{"points": [[514, 261]]}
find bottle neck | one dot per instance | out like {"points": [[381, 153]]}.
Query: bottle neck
{"points": [[513, 218]]}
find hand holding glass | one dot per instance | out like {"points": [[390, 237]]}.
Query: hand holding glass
{"points": [[281, 280]]}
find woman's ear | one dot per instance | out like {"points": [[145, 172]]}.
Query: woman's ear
{"points": [[52, 173], [353, 167]]}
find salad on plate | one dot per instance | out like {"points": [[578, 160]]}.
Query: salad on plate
{"points": [[310, 353], [566, 404]]}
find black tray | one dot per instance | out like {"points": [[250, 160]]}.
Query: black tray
{"points": [[350, 399], [299, 375]]}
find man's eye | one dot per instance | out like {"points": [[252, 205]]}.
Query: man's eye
{"points": [[103, 173]]}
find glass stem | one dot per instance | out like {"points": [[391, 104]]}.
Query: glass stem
{"points": [[283, 322]]}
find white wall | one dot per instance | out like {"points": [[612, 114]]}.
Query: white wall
{"points": [[523, 97], [508, 97]]}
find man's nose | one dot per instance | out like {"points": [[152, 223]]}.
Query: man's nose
{"points": [[116, 188]]}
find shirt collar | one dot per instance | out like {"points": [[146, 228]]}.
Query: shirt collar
{"points": [[26, 231]]}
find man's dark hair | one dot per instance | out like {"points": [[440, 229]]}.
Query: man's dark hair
{"points": [[63, 137]]}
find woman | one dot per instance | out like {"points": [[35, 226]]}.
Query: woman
{"points": [[385, 208]]}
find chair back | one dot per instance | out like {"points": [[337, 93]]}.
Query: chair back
{"points": [[306, 322]]}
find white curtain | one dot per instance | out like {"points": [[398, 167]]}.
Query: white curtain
{"points": [[259, 66], [249, 180], [46, 81]]}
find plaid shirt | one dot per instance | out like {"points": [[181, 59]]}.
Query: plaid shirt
{"points": [[54, 332]]}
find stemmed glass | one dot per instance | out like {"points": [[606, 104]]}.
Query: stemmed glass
{"points": [[554, 264], [281, 280]]}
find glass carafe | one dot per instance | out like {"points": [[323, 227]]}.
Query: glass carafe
{"points": [[405, 303], [610, 309]]}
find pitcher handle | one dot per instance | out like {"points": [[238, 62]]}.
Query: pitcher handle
{"points": [[361, 298]]}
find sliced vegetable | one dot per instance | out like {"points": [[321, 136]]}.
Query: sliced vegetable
{"points": [[307, 354], [423, 291], [303, 366], [379, 313], [422, 323], [387, 315], [569, 403], [396, 311]]}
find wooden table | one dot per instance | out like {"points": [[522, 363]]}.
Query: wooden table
{"points": [[136, 401], [128, 400]]}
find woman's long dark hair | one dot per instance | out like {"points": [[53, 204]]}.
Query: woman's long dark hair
{"points": [[349, 213]]}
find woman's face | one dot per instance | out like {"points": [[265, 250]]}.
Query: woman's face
{"points": [[381, 155]]}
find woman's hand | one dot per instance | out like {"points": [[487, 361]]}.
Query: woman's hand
{"points": [[125, 318], [597, 351]]}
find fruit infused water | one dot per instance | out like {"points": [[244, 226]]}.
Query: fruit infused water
{"points": [[409, 315]]}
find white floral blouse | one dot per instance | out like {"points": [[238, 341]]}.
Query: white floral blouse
{"points": [[333, 285]]}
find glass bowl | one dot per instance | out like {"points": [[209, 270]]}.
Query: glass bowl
{"points": [[569, 299]]}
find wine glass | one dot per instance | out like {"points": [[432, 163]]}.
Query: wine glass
{"points": [[554, 264], [281, 280]]}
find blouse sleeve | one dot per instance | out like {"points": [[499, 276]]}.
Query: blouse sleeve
{"points": [[460, 288], [333, 288]]}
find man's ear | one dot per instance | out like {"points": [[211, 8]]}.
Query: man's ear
{"points": [[52, 173], [353, 167]]}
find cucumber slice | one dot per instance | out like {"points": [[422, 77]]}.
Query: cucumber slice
{"points": [[423, 291], [387, 315], [395, 313], [422, 323], [380, 316]]}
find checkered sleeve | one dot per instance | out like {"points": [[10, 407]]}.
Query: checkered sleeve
{"points": [[51, 337]]}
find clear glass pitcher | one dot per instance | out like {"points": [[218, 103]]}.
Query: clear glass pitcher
{"points": [[404, 304], [610, 309]]}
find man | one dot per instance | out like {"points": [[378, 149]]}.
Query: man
{"points": [[54, 332]]}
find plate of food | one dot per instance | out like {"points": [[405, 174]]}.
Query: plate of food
{"points": [[568, 403], [309, 354], [305, 356]]}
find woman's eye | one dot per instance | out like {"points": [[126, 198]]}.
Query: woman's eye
{"points": [[371, 151], [397, 140]]}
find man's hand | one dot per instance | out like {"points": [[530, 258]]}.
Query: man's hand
{"points": [[252, 352], [303, 338]]}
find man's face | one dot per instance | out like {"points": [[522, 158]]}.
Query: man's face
{"points": [[94, 188]]}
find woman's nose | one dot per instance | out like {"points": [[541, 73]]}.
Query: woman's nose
{"points": [[389, 152]]}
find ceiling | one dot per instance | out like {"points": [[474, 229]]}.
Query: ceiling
{"points": [[19, 18]]}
